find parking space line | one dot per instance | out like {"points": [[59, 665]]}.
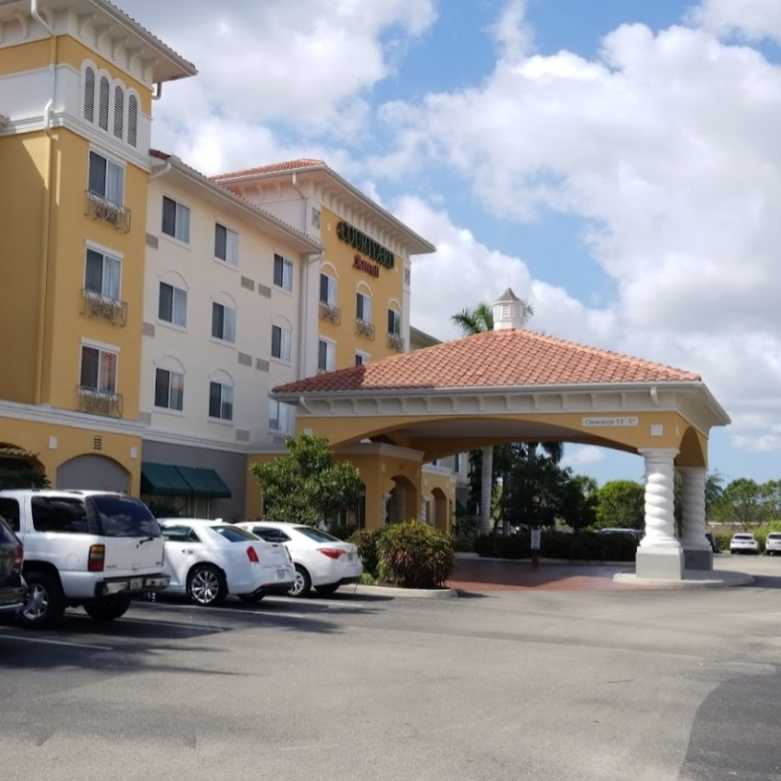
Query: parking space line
{"points": [[49, 641]]}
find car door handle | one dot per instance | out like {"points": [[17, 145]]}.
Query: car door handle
{"points": [[187, 550]]}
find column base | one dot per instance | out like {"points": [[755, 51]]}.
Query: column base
{"points": [[696, 558], [662, 563]]}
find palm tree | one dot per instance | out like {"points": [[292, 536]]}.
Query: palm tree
{"points": [[471, 322]]}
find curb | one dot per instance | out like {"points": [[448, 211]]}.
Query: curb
{"points": [[409, 593], [542, 560], [692, 580]]}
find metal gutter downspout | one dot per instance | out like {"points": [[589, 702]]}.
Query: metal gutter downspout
{"points": [[48, 195]]}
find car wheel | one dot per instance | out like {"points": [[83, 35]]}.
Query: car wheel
{"points": [[206, 586], [251, 599], [326, 591], [108, 608], [45, 600], [302, 584]]}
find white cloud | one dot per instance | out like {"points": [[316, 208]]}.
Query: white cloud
{"points": [[511, 31], [582, 455], [753, 19], [667, 145]]}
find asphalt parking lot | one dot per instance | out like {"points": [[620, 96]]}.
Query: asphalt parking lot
{"points": [[502, 685]]}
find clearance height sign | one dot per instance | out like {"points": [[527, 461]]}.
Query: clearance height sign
{"points": [[366, 246]]}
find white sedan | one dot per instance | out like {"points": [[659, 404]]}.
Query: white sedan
{"points": [[743, 543], [207, 560], [322, 561]]}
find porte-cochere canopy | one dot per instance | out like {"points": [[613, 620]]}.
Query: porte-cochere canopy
{"points": [[514, 385]]}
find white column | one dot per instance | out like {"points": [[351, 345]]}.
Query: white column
{"points": [[660, 554], [486, 485], [697, 549]]}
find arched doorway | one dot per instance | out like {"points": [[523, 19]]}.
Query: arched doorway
{"points": [[402, 503], [439, 507], [93, 472]]}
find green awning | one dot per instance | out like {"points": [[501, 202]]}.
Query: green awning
{"points": [[171, 480], [204, 482], [163, 480]]}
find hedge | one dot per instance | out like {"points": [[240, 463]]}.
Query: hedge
{"points": [[414, 555], [579, 546]]}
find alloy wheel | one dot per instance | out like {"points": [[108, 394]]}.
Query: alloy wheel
{"points": [[37, 605], [299, 583], [205, 586]]}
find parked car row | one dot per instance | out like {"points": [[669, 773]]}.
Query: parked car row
{"points": [[99, 550], [745, 542]]}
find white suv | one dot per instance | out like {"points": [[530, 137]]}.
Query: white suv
{"points": [[773, 544], [89, 548], [743, 543]]}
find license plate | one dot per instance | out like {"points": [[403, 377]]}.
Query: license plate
{"points": [[136, 584], [282, 574]]}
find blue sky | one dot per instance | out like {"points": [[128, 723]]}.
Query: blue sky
{"points": [[614, 161]]}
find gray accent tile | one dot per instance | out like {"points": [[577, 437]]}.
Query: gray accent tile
{"points": [[242, 435], [149, 329], [264, 291], [151, 241], [247, 283], [261, 365], [245, 360]]}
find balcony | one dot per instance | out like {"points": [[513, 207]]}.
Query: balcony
{"points": [[331, 313], [395, 342], [100, 209], [96, 305], [362, 328], [97, 402]]}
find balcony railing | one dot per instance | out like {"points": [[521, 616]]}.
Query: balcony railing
{"points": [[395, 342], [362, 328], [96, 402], [331, 313], [100, 209], [96, 305]]}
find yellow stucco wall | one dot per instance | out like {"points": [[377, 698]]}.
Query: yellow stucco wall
{"points": [[431, 484], [71, 442], [384, 289]]}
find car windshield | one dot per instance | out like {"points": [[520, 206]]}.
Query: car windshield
{"points": [[316, 534], [121, 516], [234, 533]]}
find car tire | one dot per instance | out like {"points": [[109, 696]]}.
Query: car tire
{"points": [[45, 602], [302, 584], [251, 599], [108, 608], [206, 586], [327, 591]]}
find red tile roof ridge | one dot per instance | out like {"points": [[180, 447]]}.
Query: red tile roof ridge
{"points": [[285, 165]]}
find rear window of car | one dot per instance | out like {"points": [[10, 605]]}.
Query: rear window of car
{"points": [[121, 516], [270, 534], [9, 511], [316, 534], [743, 537], [774, 536], [179, 534], [234, 533]]}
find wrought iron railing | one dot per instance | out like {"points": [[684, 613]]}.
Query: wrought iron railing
{"points": [[111, 309], [100, 209], [97, 402], [395, 342], [362, 328], [331, 313]]}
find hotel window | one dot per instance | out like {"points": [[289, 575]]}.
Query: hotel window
{"points": [[281, 343], [169, 389], [98, 370], [283, 272], [176, 220], [103, 96], [316, 218], [89, 94], [226, 244], [220, 400], [278, 416], [327, 290], [102, 274], [119, 112], [223, 322], [132, 120], [363, 308], [172, 305], [326, 355], [106, 179], [394, 322]]}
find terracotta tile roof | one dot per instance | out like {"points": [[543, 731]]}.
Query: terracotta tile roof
{"points": [[287, 165], [493, 359]]}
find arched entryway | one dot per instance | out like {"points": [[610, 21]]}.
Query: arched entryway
{"points": [[439, 510], [402, 503], [93, 472]]}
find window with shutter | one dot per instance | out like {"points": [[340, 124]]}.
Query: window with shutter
{"points": [[218, 320], [103, 103], [89, 95], [220, 242], [119, 112], [276, 341], [132, 120]]}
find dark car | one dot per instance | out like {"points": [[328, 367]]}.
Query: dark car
{"points": [[714, 545], [12, 589]]}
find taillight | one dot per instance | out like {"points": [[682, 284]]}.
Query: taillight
{"points": [[97, 558], [252, 555], [18, 559], [332, 553]]}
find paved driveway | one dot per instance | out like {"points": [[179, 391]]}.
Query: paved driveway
{"points": [[505, 685]]}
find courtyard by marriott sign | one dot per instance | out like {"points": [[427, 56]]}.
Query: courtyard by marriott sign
{"points": [[365, 245]]}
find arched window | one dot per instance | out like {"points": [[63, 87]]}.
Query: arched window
{"points": [[119, 111], [89, 94], [132, 120], [103, 103]]}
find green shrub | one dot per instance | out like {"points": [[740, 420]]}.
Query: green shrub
{"points": [[366, 542], [578, 546], [415, 555]]}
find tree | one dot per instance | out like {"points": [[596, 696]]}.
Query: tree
{"points": [[307, 485], [714, 488], [22, 476], [744, 501], [621, 504]]}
